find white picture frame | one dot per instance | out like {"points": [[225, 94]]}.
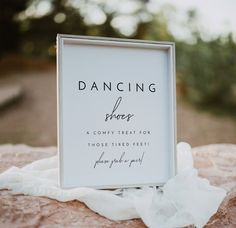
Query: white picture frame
{"points": [[116, 112]]}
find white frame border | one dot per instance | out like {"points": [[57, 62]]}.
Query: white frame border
{"points": [[105, 41]]}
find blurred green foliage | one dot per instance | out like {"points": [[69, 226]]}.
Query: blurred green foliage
{"points": [[206, 70]]}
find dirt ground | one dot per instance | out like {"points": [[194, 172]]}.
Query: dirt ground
{"points": [[32, 119]]}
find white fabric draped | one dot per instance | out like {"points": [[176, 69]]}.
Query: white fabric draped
{"points": [[185, 199]]}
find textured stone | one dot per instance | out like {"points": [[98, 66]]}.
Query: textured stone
{"points": [[29, 211], [226, 214], [20, 155], [218, 164], [215, 162]]}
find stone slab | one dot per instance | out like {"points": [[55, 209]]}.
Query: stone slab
{"points": [[214, 162]]}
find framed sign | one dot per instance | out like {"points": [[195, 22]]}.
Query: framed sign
{"points": [[116, 112]]}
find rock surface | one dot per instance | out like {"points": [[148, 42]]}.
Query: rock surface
{"points": [[214, 162], [226, 214], [217, 163], [29, 211]]}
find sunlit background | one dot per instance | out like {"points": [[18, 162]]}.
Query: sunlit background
{"points": [[205, 36]]}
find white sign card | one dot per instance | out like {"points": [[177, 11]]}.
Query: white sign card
{"points": [[116, 112]]}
